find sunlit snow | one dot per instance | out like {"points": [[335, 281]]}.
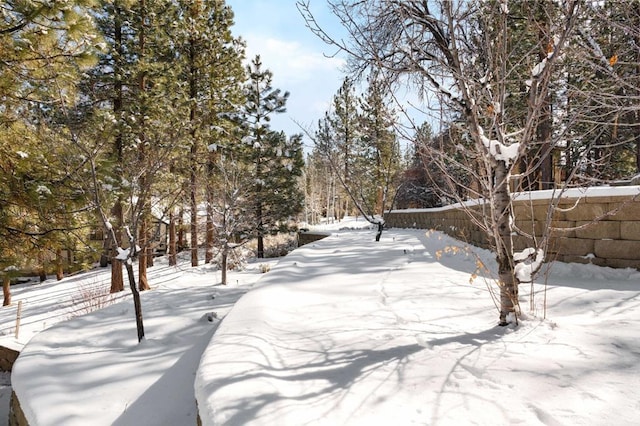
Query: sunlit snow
{"points": [[343, 331]]}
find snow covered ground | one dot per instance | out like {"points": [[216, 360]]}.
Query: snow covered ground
{"points": [[341, 331], [90, 369]]}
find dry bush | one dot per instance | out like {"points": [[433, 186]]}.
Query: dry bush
{"points": [[279, 245], [264, 268], [91, 297]]}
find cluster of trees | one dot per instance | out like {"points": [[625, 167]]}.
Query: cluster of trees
{"points": [[355, 165], [531, 94], [115, 114]]}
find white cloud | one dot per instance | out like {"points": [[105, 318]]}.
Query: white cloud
{"points": [[290, 60], [311, 77]]}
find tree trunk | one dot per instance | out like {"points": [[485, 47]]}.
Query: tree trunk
{"points": [[543, 129], [145, 183], [59, 265], [193, 71], [210, 230], [194, 223], [260, 253], [136, 300], [504, 249], [180, 231], [544, 136], [117, 279], [259, 218], [42, 271], [6, 290], [223, 266], [173, 258], [143, 283], [379, 232], [150, 245]]}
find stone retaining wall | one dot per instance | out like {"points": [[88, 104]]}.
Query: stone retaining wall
{"points": [[603, 230], [7, 357], [16, 416], [309, 237]]}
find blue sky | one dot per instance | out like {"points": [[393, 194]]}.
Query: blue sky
{"points": [[276, 31]]}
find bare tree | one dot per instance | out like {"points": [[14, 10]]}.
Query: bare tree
{"points": [[232, 208], [460, 51]]}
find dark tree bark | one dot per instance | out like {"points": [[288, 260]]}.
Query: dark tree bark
{"points": [[173, 258], [59, 265], [117, 279], [136, 300], [6, 290], [143, 282]]}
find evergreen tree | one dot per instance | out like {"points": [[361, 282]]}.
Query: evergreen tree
{"points": [[381, 154], [344, 121], [44, 47], [603, 79], [281, 195], [210, 61], [262, 101], [42, 44]]}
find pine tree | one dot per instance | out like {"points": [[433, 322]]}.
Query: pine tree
{"points": [[344, 121], [210, 59], [262, 101], [282, 196], [604, 79], [381, 148], [43, 46]]}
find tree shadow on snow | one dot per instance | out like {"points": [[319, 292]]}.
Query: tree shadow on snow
{"points": [[337, 371]]}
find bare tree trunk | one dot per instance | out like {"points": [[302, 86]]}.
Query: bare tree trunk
{"points": [[59, 265], [42, 271], [173, 258], [210, 230], [193, 71], [6, 290], [150, 249], [504, 250], [638, 152], [223, 266], [117, 279], [259, 215], [136, 300], [544, 129], [194, 224], [143, 283], [180, 236], [151, 245]]}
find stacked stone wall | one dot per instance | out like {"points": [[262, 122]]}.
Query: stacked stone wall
{"points": [[603, 230], [309, 237]]}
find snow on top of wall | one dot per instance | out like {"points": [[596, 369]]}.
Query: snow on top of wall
{"points": [[595, 191]]}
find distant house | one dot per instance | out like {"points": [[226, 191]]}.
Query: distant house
{"points": [[159, 238]]}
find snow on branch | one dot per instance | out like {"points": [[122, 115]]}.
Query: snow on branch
{"points": [[528, 261], [499, 151]]}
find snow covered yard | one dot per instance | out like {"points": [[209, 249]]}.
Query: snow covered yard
{"points": [[347, 331], [90, 369], [352, 332]]}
